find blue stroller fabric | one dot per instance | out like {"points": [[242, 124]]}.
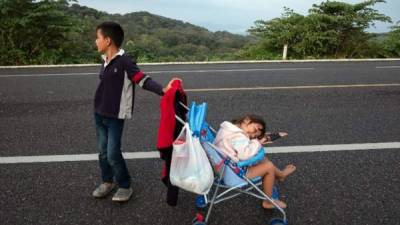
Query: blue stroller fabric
{"points": [[254, 160], [197, 122], [197, 115]]}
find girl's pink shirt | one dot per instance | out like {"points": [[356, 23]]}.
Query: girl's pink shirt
{"points": [[234, 142]]}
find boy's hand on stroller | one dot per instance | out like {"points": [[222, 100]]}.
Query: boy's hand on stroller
{"points": [[166, 88]]}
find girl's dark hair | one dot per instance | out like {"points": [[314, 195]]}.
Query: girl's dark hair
{"points": [[252, 119], [112, 30]]}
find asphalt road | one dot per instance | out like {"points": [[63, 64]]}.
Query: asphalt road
{"points": [[49, 112]]}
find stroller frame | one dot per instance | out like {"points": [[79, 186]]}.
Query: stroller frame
{"points": [[250, 188]]}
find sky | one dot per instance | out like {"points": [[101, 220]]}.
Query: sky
{"points": [[235, 16]]}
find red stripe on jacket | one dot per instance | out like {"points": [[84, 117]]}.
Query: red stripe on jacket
{"points": [[137, 76]]}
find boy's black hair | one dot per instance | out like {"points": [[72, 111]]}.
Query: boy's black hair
{"points": [[252, 119], [112, 30]]}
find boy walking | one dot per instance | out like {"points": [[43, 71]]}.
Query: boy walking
{"points": [[113, 104]]}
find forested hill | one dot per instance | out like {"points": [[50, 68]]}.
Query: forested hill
{"points": [[58, 32], [151, 37]]}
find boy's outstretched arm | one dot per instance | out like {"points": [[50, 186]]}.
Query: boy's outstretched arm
{"points": [[144, 80], [147, 83]]}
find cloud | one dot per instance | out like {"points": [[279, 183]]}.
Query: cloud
{"points": [[232, 15]]}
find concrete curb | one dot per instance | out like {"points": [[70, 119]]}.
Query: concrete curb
{"points": [[211, 62]]}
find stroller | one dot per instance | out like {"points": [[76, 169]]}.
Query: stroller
{"points": [[229, 176]]}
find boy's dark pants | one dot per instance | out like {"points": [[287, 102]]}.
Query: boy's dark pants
{"points": [[112, 164]]}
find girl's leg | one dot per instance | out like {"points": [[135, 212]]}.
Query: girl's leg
{"points": [[282, 174], [265, 169]]}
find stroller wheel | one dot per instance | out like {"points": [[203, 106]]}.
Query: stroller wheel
{"points": [[200, 202], [198, 220], [199, 223], [278, 221]]}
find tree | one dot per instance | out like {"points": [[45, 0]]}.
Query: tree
{"points": [[391, 44], [332, 29], [287, 30], [349, 23], [33, 31]]}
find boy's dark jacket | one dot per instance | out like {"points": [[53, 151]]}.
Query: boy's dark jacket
{"points": [[115, 94]]}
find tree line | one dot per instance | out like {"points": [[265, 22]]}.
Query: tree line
{"points": [[63, 32], [330, 30]]}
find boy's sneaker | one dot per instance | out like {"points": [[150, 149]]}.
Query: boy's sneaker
{"points": [[103, 190], [122, 194]]}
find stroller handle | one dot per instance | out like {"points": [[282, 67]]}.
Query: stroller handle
{"points": [[183, 122], [177, 117]]}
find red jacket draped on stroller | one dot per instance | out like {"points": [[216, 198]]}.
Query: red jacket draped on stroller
{"points": [[169, 129]]}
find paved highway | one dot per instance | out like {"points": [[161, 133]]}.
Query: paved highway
{"points": [[48, 111]]}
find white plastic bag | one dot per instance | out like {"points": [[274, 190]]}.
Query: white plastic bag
{"points": [[190, 168]]}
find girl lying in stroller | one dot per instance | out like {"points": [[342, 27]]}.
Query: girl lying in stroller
{"points": [[241, 139]]}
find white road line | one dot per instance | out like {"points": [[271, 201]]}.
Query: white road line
{"points": [[158, 72], [338, 147], [155, 154], [232, 70], [291, 87], [72, 158], [213, 62], [387, 67], [48, 75]]}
